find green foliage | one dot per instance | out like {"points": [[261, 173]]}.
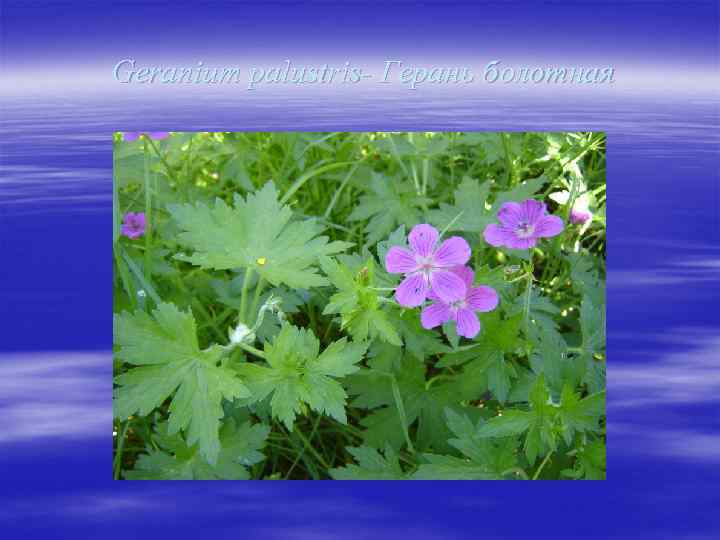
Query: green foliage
{"points": [[469, 212], [256, 234], [240, 447], [357, 302], [422, 400], [165, 347], [590, 462], [256, 332], [386, 205], [546, 420], [297, 375], [371, 466], [482, 459]]}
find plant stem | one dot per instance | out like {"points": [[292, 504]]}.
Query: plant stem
{"points": [[338, 191], [124, 276], [245, 289], [452, 222], [528, 292], [401, 411], [116, 207], [148, 213], [310, 174], [119, 451], [426, 174], [396, 154], [309, 446], [256, 299], [398, 404], [300, 455], [508, 158], [418, 190], [542, 466], [159, 155], [252, 350]]}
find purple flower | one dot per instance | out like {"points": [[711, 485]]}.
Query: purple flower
{"points": [[578, 217], [427, 266], [461, 311], [133, 224], [521, 224], [135, 135]]}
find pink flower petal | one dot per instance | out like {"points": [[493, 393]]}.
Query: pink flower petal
{"points": [[549, 226], [510, 214], [482, 298], [454, 251], [133, 225], [400, 261], [434, 315], [495, 235], [468, 324], [422, 239], [466, 274], [448, 286], [533, 210], [131, 135], [412, 292], [515, 242], [578, 217]]}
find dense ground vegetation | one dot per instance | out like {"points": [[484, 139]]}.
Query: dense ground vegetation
{"points": [[259, 332]]}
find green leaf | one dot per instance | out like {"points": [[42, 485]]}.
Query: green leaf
{"points": [[372, 388], [470, 198], [580, 415], [521, 192], [386, 205], [542, 311], [510, 424], [423, 402], [165, 346], [129, 164], [539, 422], [491, 144], [235, 170], [297, 375], [492, 277], [257, 234], [500, 373], [541, 434], [497, 337], [452, 468], [240, 447], [496, 456], [550, 355], [418, 341], [590, 463], [585, 278], [593, 323], [371, 466], [397, 238], [357, 303]]}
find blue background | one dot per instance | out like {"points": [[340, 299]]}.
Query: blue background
{"points": [[60, 105]]}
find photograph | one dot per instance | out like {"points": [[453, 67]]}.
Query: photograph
{"points": [[360, 240], [359, 305]]}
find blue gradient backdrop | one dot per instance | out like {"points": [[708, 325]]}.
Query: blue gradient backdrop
{"points": [[60, 105]]}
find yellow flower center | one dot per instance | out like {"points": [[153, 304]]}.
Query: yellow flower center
{"points": [[261, 261]]}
